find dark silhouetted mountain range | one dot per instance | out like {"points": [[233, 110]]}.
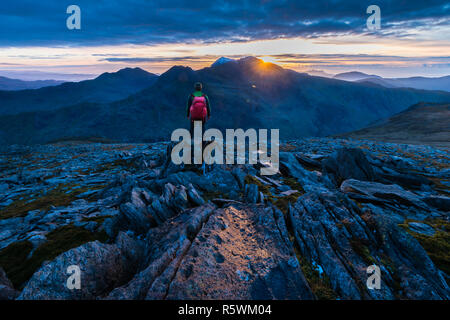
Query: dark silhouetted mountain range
{"points": [[107, 87], [247, 93], [16, 84]]}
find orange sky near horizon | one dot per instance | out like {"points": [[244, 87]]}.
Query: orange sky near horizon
{"points": [[386, 57]]}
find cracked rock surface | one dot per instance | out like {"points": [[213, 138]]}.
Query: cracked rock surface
{"points": [[140, 227]]}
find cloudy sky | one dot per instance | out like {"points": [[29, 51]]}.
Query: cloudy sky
{"points": [[331, 36]]}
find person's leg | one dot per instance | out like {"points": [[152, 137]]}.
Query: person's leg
{"points": [[203, 132], [195, 143], [191, 129]]}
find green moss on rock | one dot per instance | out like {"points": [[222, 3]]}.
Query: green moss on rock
{"points": [[264, 188], [437, 246], [61, 195], [19, 266], [319, 283], [362, 250]]}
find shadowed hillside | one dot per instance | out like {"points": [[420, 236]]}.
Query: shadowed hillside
{"points": [[16, 84], [426, 123], [105, 88]]}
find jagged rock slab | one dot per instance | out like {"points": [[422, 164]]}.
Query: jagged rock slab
{"points": [[344, 240], [240, 253], [102, 266], [388, 193], [165, 244]]}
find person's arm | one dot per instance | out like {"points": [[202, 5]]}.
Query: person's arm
{"points": [[208, 106], [188, 106]]}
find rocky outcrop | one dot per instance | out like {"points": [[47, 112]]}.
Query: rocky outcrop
{"points": [[345, 240], [240, 253], [347, 163], [380, 193], [223, 232], [166, 243], [102, 267]]}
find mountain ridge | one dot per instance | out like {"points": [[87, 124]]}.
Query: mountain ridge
{"points": [[416, 82], [11, 84], [107, 87], [247, 94], [421, 123]]}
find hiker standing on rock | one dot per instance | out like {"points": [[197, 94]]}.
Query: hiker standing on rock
{"points": [[198, 107]]}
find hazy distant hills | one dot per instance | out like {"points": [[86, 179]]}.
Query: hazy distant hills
{"points": [[319, 73], [16, 84], [439, 83], [427, 123], [107, 87], [354, 76], [246, 93]]}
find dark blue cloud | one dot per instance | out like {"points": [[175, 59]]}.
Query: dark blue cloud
{"points": [[26, 22]]}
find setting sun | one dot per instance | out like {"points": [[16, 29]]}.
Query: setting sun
{"points": [[268, 59]]}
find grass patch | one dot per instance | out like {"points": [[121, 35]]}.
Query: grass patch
{"points": [[436, 246], [128, 164], [287, 147], [362, 250], [209, 195], [281, 202], [293, 184], [264, 188], [19, 267], [59, 196], [320, 283], [396, 285], [439, 186]]}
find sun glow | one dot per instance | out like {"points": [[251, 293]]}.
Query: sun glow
{"points": [[268, 59]]}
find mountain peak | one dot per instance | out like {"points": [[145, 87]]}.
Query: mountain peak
{"points": [[222, 60], [250, 59], [127, 73], [131, 70]]}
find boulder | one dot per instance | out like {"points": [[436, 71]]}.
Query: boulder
{"points": [[290, 166], [347, 163], [406, 180], [217, 266], [135, 218], [102, 266], [251, 193], [194, 197], [385, 192]]}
